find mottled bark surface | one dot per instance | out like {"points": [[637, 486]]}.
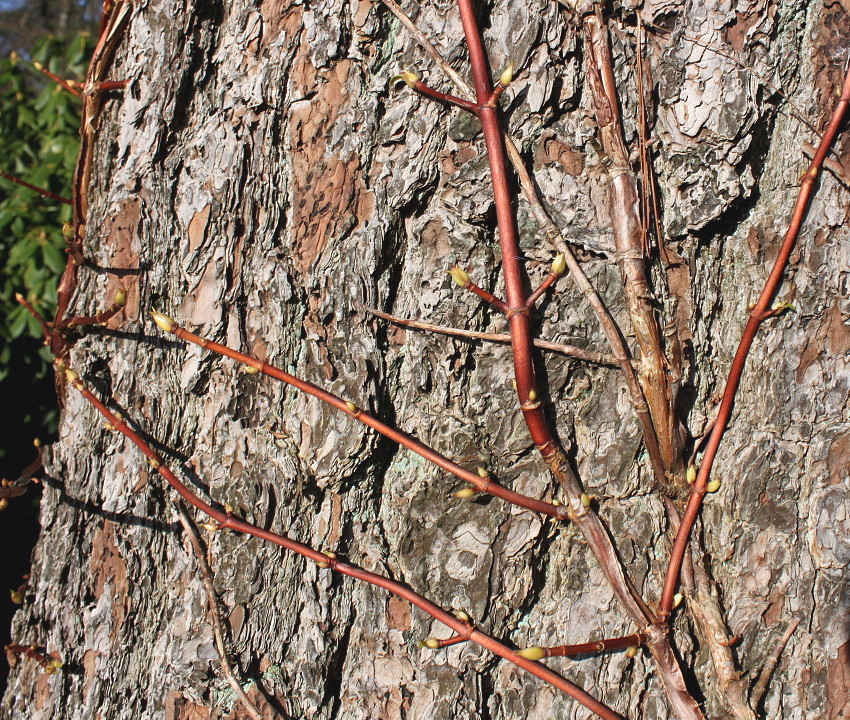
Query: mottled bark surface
{"points": [[270, 185]]}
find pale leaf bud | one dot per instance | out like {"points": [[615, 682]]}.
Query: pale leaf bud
{"points": [[532, 395], [631, 651], [464, 494], [71, 376], [351, 406], [409, 78], [163, 322], [250, 369], [482, 472], [691, 474], [677, 599], [459, 275], [532, 653], [17, 597], [4, 503], [121, 297], [559, 264], [507, 75], [713, 486], [585, 500], [461, 615], [430, 643]]}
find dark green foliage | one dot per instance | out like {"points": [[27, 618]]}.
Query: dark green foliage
{"points": [[39, 124]]}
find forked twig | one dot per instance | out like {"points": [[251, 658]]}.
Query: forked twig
{"points": [[480, 481], [759, 313], [329, 560], [553, 235]]}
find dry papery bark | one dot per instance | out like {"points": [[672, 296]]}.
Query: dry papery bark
{"points": [[537, 535]]}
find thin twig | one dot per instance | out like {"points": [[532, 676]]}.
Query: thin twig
{"points": [[555, 237], [35, 188], [482, 483], [569, 350], [329, 560], [760, 688], [758, 314], [212, 600]]}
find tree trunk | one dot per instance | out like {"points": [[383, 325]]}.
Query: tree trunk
{"points": [[270, 185]]}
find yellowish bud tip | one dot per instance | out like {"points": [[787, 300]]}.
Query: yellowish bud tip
{"points": [[154, 463], [691, 474], [67, 231], [17, 597], [409, 78], [482, 472], [712, 486], [677, 599], [459, 275], [559, 264], [250, 369], [37, 65], [4, 503], [351, 406], [322, 565], [163, 322], [461, 615], [210, 527], [121, 297], [631, 651], [507, 75], [19, 298], [532, 395], [585, 500], [556, 503], [430, 643], [329, 554], [532, 653], [228, 508], [36, 442], [464, 494], [71, 376], [56, 664]]}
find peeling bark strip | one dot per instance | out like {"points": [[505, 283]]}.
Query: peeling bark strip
{"points": [[259, 177]]}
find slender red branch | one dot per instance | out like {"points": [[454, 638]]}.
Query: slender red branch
{"points": [[329, 561], [105, 86], [58, 80], [421, 87], [758, 314], [634, 640], [461, 277], [480, 483], [45, 330], [102, 317], [548, 282], [29, 186]]}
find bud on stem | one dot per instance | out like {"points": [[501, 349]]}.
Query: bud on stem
{"points": [[163, 322]]}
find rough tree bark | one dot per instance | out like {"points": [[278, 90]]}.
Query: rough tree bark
{"points": [[269, 186]]}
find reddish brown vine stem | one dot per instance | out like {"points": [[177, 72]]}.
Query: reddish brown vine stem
{"points": [[620, 643], [481, 483], [758, 314], [29, 186], [328, 560]]}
